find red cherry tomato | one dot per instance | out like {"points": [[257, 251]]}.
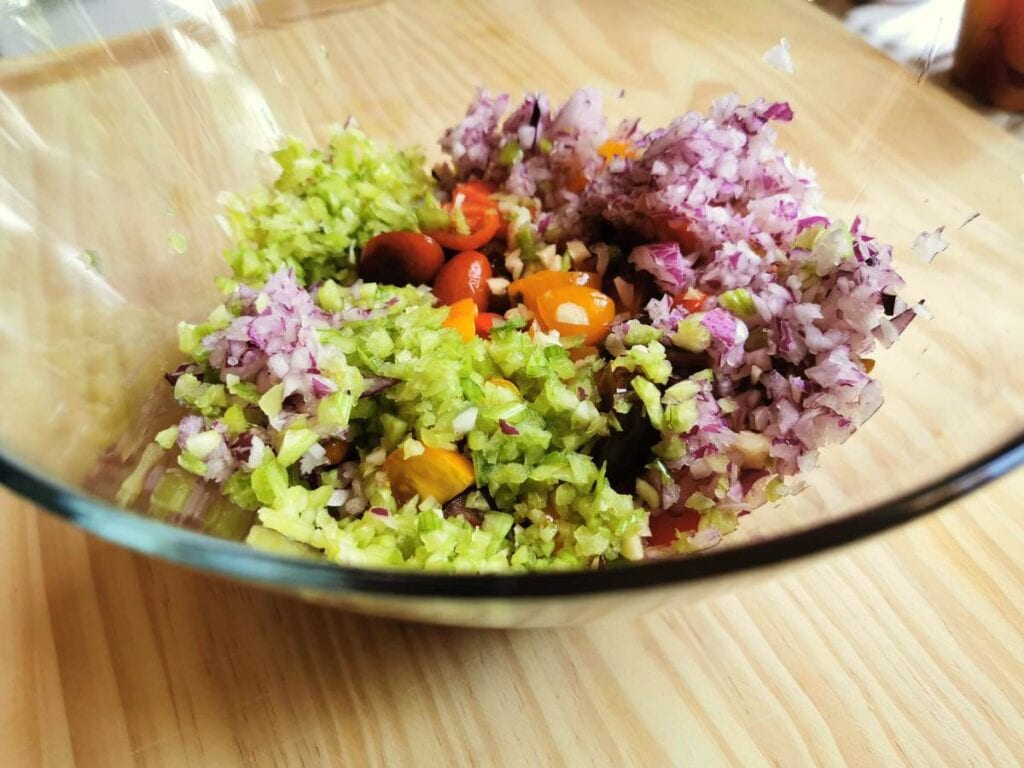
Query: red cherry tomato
{"points": [[400, 258], [474, 190], [481, 214], [485, 321], [665, 525], [692, 300], [465, 277], [677, 231]]}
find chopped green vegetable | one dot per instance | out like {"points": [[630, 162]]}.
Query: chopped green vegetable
{"points": [[323, 207]]}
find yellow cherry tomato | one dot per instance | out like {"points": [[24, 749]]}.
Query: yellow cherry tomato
{"points": [[529, 289], [439, 473]]}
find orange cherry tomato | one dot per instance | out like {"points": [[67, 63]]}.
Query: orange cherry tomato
{"points": [[400, 258], [462, 318], [529, 289], [481, 214], [485, 321], [676, 231], [665, 525], [692, 300], [576, 310], [465, 277]]}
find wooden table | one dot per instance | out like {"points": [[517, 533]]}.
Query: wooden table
{"points": [[905, 651]]}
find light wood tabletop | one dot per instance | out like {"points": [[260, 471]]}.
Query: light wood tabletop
{"points": [[905, 650]]}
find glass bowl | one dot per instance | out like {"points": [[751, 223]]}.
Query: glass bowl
{"points": [[112, 150]]}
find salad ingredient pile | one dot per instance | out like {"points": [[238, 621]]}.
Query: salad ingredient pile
{"points": [[569, 346]]}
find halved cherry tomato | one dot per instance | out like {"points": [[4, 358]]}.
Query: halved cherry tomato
{"points": [[481, 214], [478, 192], [529, 289], [576, 310], [581, 353], [692, 300], [400, 258], [474, 190], [676, 231], [436, 472], [465, 277], [485, 321], [665, 525], [462, 317]]}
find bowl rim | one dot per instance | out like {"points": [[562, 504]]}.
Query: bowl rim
{"points": [[236, 560]]}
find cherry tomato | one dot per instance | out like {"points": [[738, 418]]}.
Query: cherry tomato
{"points": [[529, 289], [582, 353], [474, 190], [485, 321], [400, 258], [465, 277], [665, 525], [436, 473], [676, 231], [481, 216], [692, 300], [576, 310], [462, 317], [577, 182], [335, 451]]}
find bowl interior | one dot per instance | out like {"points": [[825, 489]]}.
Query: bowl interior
{"points": [[108, 155]]}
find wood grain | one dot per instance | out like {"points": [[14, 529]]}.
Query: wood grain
{"points": [[905, 652]]}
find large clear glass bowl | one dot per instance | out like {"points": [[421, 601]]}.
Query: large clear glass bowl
{"points": [[109, 148]]}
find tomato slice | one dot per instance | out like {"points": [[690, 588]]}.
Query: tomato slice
{"points": [[529, 289], [676, 231], [665, 525], [576, 310], [483, 221], [462, 318], [692, 300], [485, 321], [474, 190]]}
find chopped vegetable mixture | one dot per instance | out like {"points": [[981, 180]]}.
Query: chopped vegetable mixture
{"points": [[569, 346]]}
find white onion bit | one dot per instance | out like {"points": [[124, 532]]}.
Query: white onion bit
{"points": [[780, 58], [928, 245]]}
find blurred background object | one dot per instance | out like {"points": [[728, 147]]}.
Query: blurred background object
{"points": [[989, 59], [34, 26], [921, 34], [988, 73]]}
